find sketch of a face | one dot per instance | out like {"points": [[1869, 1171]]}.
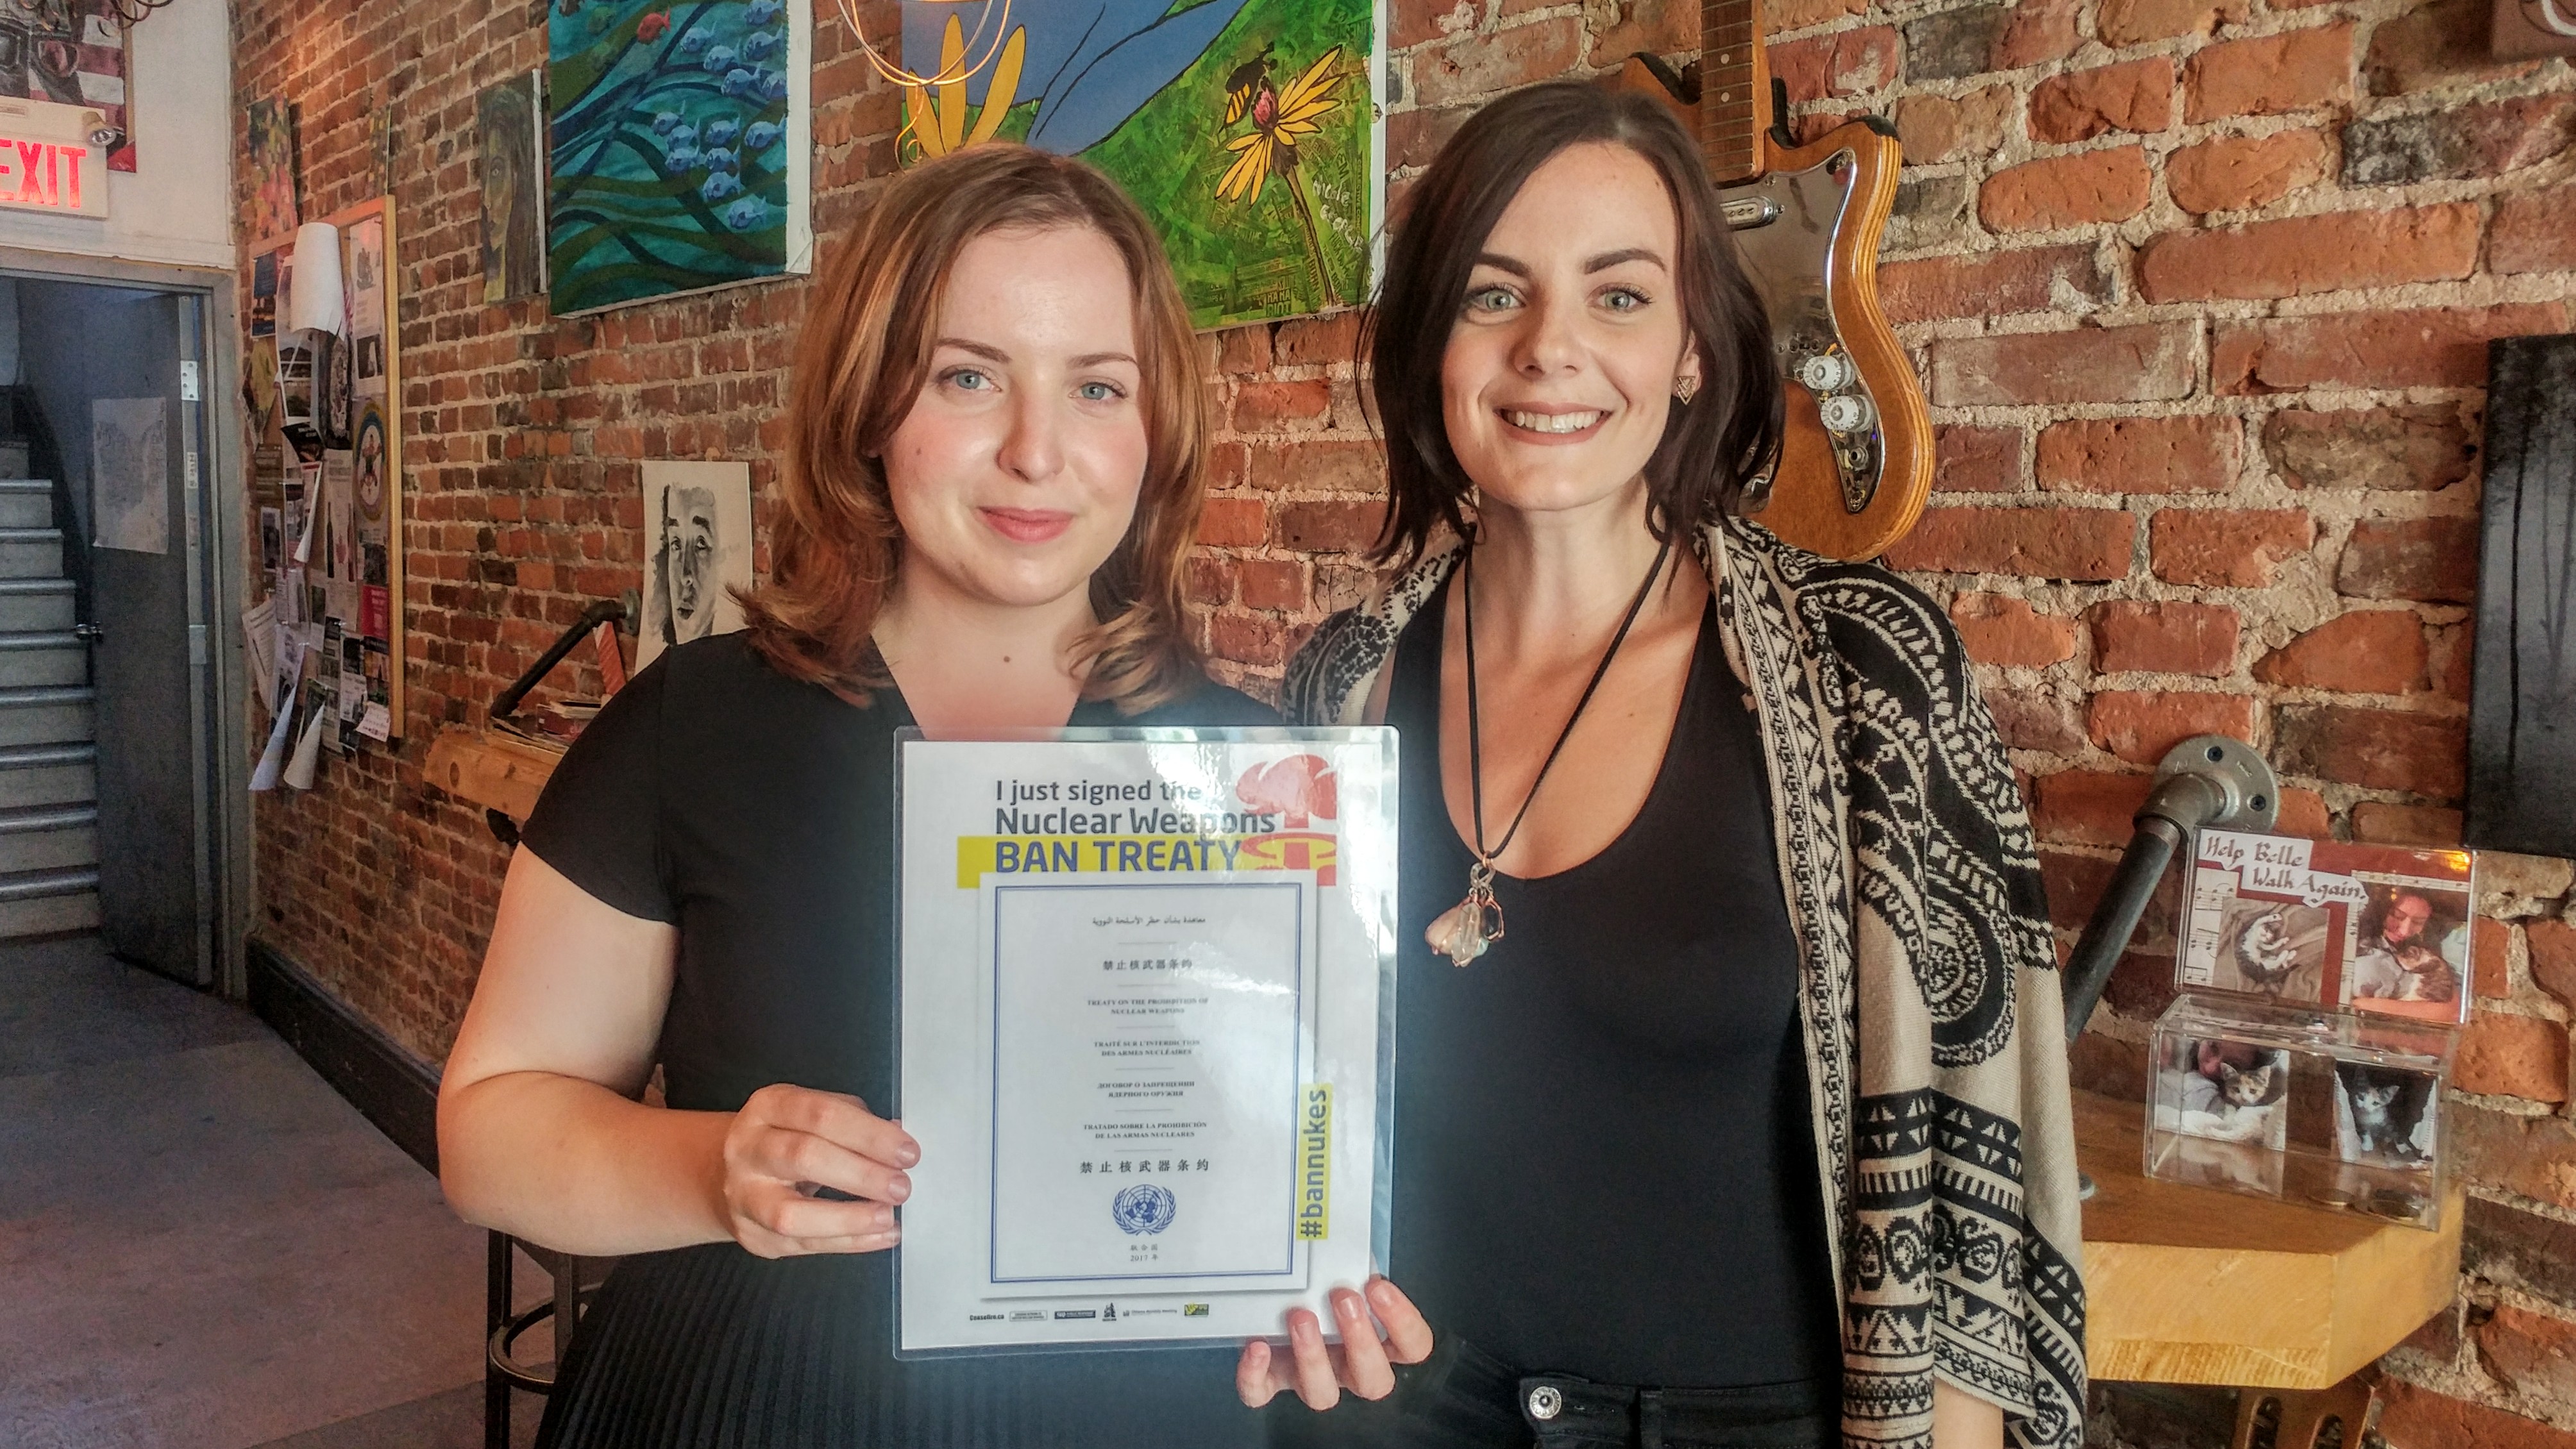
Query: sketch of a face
{"points": [[691, 554]]}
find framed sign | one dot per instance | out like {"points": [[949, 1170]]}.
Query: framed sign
{"points": [[1146, 998]]}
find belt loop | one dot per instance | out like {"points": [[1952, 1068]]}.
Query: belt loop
{"points": [[1650, 1419]]}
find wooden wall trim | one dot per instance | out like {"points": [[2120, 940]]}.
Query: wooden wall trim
{"points": [[393, 1089]]}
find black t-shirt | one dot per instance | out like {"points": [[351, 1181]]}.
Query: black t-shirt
{"points": [[1604, 1162], [756, 814]]}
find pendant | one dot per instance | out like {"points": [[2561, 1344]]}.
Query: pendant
{"points": [[1465, 930]]}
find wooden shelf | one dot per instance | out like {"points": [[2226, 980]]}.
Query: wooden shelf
{"points": [[2185, 1285], [488, 768], [2191, 1285]]}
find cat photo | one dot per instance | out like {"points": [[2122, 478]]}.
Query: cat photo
{"points": [[2384, 1115], [2226, 1091], [2276, 948]]}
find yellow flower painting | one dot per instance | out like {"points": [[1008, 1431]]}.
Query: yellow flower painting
{"points": [[1280, 119]]}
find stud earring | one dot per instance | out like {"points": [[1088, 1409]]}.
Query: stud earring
{"points": [[1685, 388]]}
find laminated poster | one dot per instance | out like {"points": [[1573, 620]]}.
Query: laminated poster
{"points": [[2371, 928]]}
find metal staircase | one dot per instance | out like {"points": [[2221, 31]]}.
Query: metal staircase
{"points": [[48, 754]]}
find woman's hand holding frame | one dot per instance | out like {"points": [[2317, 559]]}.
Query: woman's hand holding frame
{"points": [[1364, 1362], [785, 1146]]}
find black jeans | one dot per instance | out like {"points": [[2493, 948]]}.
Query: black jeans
{"points": [[1462, 1398]]}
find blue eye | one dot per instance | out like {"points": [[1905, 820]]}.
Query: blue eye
{"points": [[970, 380], [1099, 392]]}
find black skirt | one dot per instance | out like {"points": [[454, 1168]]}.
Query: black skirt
{"points": [[711, 1346]]}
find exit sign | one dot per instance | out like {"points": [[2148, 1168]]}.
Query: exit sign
{"points": [[50, 161]]}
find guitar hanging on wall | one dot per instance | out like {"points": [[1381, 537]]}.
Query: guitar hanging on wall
{"points": [[1856, 444]]}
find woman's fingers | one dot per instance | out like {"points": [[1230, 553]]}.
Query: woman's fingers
{"points": [[836, 1117], [1364, 1363], [1253, 1381], [1408, 1336], [1364, 1367], [803, 1157], [808, 1219], [876, 1242], [801, 1223], [814, 1172], [847, 1122], [1316, 1382]]}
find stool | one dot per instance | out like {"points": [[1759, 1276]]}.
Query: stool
{"points": [[575, 1280]]}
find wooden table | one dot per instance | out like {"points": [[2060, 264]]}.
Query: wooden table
{"points": [[2185, 1285]]}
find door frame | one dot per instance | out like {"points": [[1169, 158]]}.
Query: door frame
{"points": [[220, 732]]}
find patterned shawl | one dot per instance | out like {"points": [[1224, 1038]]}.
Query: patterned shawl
{"points": [[1936, 1056]]}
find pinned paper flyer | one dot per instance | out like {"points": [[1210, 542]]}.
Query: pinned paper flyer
{"points": [[272, 759], [308, 753], [259, 638]]}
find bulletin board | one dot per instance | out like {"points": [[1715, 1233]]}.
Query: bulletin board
{"points": [[352, 578]]}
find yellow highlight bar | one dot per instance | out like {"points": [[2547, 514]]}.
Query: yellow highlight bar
{"points": [[982, 855], [1315, 1163]]}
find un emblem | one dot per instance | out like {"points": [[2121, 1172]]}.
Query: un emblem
{"points": [[1143, 1209]]}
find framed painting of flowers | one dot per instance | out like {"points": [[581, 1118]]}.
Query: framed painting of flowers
{"points": [[1247, 129]]}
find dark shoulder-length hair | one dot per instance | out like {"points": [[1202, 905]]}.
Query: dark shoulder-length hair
{"points": [[1726, 437], [861, 361]]}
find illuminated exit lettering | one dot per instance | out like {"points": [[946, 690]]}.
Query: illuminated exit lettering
{"points": [[42, 171], [57, 176]]}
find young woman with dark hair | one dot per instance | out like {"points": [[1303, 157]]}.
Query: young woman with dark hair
{"points": [[1730, 1101], [995, 457]]}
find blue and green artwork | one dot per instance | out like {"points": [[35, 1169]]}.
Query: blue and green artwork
{"points": [[678, 146], [1246, 128]]}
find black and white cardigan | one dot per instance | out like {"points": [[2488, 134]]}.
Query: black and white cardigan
{"points": [[1929, 989]]}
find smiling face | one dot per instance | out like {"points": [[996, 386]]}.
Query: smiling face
{"points": [[1016, 472], [1560, 370], [2406, 917]]}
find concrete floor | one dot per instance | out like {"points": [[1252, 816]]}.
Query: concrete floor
{"points": [[203, 1245]]}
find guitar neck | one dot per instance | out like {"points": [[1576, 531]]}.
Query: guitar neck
{"points": [[1734, 86]]}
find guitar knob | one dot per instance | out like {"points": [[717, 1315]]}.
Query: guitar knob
{"points": [[1826, 372], [1845, 413]]}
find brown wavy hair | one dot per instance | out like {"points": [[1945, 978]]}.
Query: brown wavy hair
{"points": [[862, 359]]}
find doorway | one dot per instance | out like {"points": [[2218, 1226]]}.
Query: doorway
{"points": [[112, 742]]}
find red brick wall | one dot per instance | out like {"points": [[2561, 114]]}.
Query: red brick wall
{"points": [[2199, 289], [2200, 293], [521, 438]]}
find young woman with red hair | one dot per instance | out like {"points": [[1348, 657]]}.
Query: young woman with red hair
{"points": [[993, 473]]}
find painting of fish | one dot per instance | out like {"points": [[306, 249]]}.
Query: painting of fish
{"points": [[678, 140]]}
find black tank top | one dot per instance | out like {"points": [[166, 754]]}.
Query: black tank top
{"points": [[1604, 1163]]}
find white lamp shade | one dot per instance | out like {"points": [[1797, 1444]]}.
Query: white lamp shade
{"points": [[316, 302]]}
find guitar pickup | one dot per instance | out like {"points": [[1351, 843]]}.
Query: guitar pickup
{"points": [[1744, 213]]}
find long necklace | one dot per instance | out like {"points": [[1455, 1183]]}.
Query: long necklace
{"points": [[1467, 929]]}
